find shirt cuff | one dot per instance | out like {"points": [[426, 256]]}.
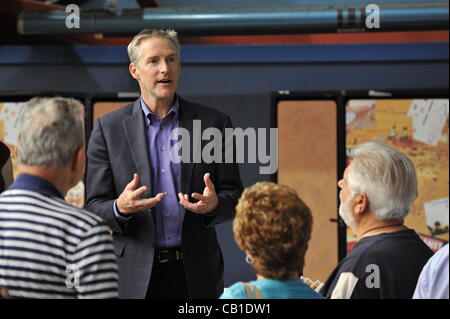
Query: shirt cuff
{"points": [[118, 215]]}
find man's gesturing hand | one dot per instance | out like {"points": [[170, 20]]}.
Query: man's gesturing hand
{"points": [[130, 202], [206, 202]]}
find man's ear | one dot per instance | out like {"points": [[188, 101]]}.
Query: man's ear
{"points": [[78, 160], [360, 204], [133, 71]]}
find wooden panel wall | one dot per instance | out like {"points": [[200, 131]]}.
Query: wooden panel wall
{"points": [[308, 163]]}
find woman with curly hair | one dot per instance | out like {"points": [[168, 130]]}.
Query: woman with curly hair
{"points": [[273, 227]]}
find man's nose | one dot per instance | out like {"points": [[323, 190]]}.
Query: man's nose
{"points": [[164, 67]]}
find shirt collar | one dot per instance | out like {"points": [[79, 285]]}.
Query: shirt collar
{"points": [[173, 110], [36, 184]]}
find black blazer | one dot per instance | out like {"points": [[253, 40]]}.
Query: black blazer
{"points": [[117, 149]]}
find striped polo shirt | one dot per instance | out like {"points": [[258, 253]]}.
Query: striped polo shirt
{"points": [[51, 249]]}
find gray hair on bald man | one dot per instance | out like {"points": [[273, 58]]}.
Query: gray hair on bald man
{"points": [[134, 46], [50, 131], [386, 176]]}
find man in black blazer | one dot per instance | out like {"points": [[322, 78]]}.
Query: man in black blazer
{"points": [[165, 241]]}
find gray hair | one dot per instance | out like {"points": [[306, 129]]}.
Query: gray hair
{"points": [[134, 46], [386, 176], [50, 131]]}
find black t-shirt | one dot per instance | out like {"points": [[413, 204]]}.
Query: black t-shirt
{"points": [[387, 265], [4, 156]]}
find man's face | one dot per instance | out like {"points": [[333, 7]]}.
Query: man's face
{"points": [[346, 213], [345, 208], [345, 192], [158, 70]]}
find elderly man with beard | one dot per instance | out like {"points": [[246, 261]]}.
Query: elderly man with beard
{"points": [[377, 190]]}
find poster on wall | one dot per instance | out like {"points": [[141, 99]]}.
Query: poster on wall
{"points": [[9, 121], [420, 129]]}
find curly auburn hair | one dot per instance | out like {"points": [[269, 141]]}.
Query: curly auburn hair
{"points": [[273, 225]]}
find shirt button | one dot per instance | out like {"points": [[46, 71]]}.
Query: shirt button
{"points": [[163, 170], [163, 148], [167, 214]]}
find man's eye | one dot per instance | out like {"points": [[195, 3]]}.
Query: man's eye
{"points": [[153, 61]]}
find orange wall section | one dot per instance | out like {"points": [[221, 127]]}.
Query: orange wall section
{"points": [[326, 38]]}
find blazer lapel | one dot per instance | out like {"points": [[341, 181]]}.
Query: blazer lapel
{"points": [[187, 113], [135, 133]]}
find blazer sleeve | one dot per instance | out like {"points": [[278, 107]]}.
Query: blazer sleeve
{"points": [[100, 190], [227, 183]]}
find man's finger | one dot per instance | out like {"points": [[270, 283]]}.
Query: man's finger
{"points": [[138, 192], [208, 182], [134, 182], [199, 197], [147, 203], [160, 196], [184, 199], [198, 207]]}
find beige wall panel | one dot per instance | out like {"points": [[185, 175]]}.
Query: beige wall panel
{"points": [[308, 163], [102, 108]]}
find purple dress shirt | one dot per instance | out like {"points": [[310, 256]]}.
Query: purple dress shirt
{"points": [[168, 213]]}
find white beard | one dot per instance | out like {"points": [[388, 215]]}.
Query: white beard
{"points": [[345, 212]]}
